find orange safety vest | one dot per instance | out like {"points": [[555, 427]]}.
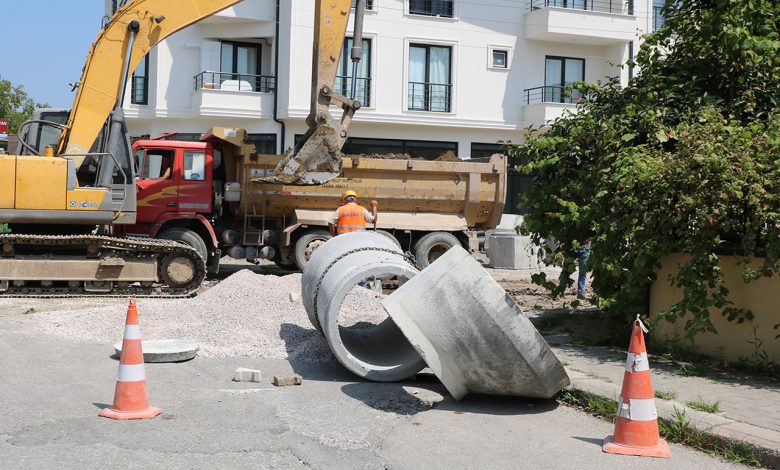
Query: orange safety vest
{"points": [[351, 219]]}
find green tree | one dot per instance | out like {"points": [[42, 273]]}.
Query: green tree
{"points": [[685, 159], [15, 105]]}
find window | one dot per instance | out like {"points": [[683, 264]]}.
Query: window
{"points": [[416, 148], [430, 74], [240, 67], [265, 144], [343, 83], [194, 165], [479, 150], [369, 4], [499, 59], [139, 93], [658, 17], [443, 8], [158, 164], [560, 72]]}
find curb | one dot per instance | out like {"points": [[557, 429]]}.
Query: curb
{"points": [[766, 441]]}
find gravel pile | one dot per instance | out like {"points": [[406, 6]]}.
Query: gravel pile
{"points": [[246, 315]]}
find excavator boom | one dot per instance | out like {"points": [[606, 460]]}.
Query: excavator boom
{"points": [[317, 159], [148, 22]]}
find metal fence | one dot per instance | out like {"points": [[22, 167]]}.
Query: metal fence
{"points": [[227, 81], [623, 7], [435, 97], [551, 94], [343, 86]]}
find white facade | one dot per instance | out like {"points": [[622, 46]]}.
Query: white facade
{"points": [[488, 103]]}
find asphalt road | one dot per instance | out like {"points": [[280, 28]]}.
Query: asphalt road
{"points": [[52, 390]]}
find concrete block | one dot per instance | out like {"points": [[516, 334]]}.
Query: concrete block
{"points": [[243, 374], [507, 250], [472, 334], [286, 381]]}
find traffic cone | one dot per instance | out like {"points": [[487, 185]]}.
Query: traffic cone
{"points": [[636, 424], [130, 399]]}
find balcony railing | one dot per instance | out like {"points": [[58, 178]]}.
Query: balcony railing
{"points": [[343, 86], [227, 81], [434, 97], [551, 94], [443, 8], [139, 92], [658, 19], [621, 7]]}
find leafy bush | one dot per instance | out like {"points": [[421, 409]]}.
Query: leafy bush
{"points": [[685, 159]]}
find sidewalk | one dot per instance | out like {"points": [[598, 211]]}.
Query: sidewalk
{"points": [[749, 408]]}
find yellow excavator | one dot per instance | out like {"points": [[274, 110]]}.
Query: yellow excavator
{"points": [[74, 178]]}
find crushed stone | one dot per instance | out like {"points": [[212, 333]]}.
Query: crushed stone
{"points": [[245, 315]]}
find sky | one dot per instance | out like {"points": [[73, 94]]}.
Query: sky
{"points": [[45, 44]]}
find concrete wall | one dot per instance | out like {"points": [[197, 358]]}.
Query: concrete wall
{"points": [[733, 340]]}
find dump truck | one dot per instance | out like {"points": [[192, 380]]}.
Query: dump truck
{"points": [[214, 196]]}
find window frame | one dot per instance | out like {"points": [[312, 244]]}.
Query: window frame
{"points": [[235, 45], [428, 12], [451, 74], [145, 100], [507, 53], [346, 62], [563, 60]]}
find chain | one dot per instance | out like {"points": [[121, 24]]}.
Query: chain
{"points": [[406, 256]]}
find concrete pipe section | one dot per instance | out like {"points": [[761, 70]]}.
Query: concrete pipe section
{"points": [[472, 334], [380, 352]]}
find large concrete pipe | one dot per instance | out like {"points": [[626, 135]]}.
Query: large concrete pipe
{"points": [[380, 353], [472, 334]]}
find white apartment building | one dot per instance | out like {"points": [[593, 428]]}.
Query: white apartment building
{"points": [[438, 75]]}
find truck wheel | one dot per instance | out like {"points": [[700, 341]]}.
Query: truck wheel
{"points": [[188, 237], [308, 244], [431, 246]]}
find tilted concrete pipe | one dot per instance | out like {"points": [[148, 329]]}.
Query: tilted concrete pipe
{"points": [[472, 334], [380, 353]]}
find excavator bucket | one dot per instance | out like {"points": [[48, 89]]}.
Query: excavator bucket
{"points": [[316, 161]]}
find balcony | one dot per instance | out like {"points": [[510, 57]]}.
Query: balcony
{"points": [[433, 97], [547, 103], [590, 22], [343, 86], [220, 94]]}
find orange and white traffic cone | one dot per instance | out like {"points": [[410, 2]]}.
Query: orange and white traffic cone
{"points": [[130, 399], [636, 424]]}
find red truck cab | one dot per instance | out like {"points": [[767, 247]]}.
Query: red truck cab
{"points": [[175, 196]]}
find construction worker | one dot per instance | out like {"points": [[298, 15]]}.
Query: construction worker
{"points": [[350, 216]]}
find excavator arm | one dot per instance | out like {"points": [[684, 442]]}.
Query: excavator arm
{"points": [[317, 159], [120, 46]]}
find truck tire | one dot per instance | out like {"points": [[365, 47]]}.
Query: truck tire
{"points": [[307, 244], [187, 236], [431, 246]]}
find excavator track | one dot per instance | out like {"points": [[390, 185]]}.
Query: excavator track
{"points": [[175, 262]]}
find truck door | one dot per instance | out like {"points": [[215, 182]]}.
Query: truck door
{"points": [[158, 184], [195, 187]]}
